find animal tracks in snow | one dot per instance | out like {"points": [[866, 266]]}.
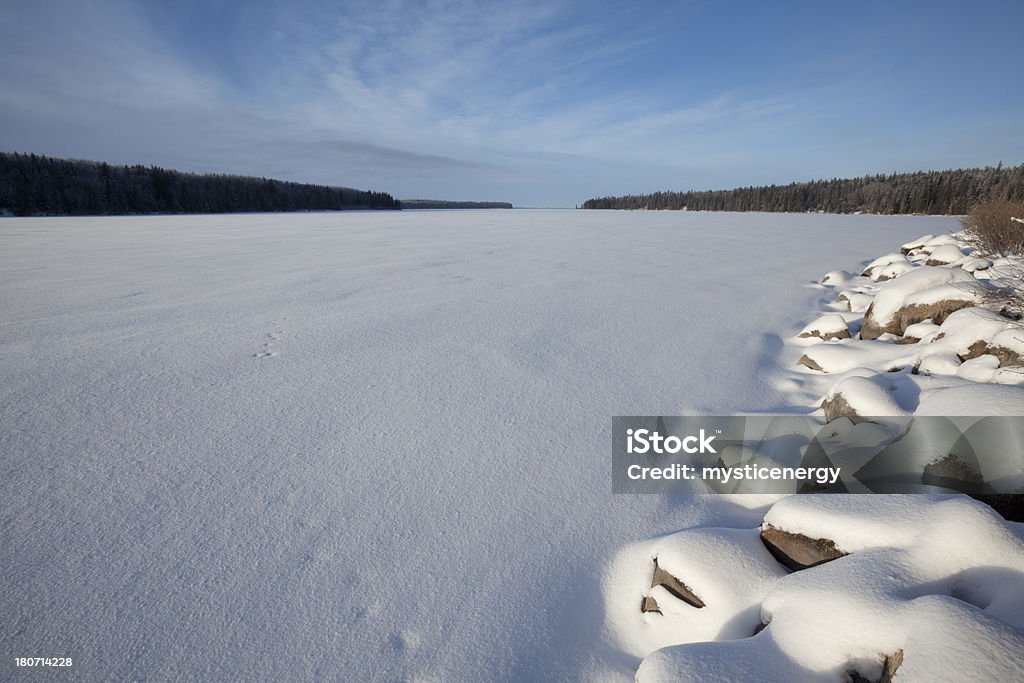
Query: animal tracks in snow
{"points": [[270, 341]]}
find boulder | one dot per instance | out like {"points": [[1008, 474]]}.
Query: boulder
{"points": [[925, 289], [810, 363], [828, 326], [890, 663], [674, 586], [944, 255], [953, 472], [916, 244], [837, 406], [936, 312], [797, 551]]}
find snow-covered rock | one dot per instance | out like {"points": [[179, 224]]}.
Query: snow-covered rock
{"points": [[872, 396], [944, 254], [836, 277], [910, 246], [924, 587], [923, 283], [828, 326]]}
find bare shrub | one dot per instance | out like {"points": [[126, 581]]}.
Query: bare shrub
{"points": [[991, 229], [1005, 289]]}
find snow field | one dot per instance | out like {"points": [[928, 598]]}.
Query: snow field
{"points": [[916, 587], [370, 446]]}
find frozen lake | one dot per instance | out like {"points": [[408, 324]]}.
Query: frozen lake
{"points": [[366, 446]]}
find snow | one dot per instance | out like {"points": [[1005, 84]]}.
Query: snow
{"points": [[887, 259], [373, 446], [926, 282], [973, 399], [945, 253], [367, 445], [875, 395], [825, 326], [939, 580], [916, 243]]}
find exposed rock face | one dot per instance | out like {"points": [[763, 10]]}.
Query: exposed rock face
{"points": [[826, 336], [674, 586], [872, 329], [810, 363], [908, 298], [837, 406], [1007, 357], [827, 327], [892, 663], [936, 312], [944, 255], [909, 315], [649, 604], [797, 551], [953, 472], [889, 666]]}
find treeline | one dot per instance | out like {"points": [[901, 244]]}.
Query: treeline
{"points": [[33, 185], [445, 204], [924, 192]]}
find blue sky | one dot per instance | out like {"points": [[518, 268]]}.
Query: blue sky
{"points": [[541, 104]]}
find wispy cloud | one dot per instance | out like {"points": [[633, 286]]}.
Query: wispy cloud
{"points": [[544, 98]]}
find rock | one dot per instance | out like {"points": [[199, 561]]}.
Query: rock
{"points": [[836, 277], [887, 267], [797, 551], [1007, 357], [890, 663], [944, 255], [889, 271], [973, 265], [872, 329], [978, 348], [921, 290], [649, 604], [863, 397], [910, 315], [829, 326], [936, 312], [838, 406], [916, 244], [811, 363], [952, 472], [672, 585]]}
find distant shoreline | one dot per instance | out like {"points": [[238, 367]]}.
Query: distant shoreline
{"points": [[928, 193]]}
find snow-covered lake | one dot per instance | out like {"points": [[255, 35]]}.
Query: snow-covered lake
{"points": [[364, 446]]}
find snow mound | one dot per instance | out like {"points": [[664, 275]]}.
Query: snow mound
{"points": [[974, 399], [944, 255], [836, 277], [887, 267], [912, 245], [856, 302], [874, 396], [940, 241], [929, 588], [828, 326], [881, 587], [729, 570], [973, 265], [929, 283]]}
